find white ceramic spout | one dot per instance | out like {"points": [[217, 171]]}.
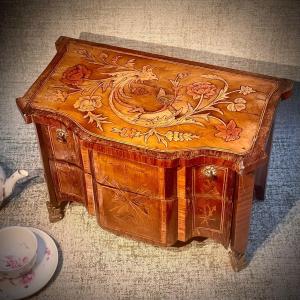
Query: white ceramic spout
{"points": [[9, 183]]}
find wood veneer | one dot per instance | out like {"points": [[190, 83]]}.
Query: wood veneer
{"points": [[159, 149]]}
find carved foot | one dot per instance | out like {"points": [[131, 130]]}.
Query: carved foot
{"points": [[237, 260], [55, 213]]}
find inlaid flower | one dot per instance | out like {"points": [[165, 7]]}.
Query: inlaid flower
{"points": [[60, 95], [88, 103], [198, 89], [229, 132], [238, 105], [245, 90], [75, 75]]}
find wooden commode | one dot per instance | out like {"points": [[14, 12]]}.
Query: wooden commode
{"points": [[159, 149]]}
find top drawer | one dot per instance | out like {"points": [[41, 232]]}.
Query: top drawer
{"points": [[126, 175], [209, 181], [62, 144]]}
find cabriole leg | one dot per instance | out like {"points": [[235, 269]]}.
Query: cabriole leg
{"points": [[56, 213]]}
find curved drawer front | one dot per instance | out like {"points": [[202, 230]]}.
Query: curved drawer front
{"points": [[126, 175], [212, 201], [141, 217], [206, 207], [209, 198]]}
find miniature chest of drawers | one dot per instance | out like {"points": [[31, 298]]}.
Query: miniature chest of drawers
{"points": [[158, 149]]}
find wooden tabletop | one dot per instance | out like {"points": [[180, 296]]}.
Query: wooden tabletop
{"points": [[154, 102]]}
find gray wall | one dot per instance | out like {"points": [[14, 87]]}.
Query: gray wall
{"points": [[265, 32]]}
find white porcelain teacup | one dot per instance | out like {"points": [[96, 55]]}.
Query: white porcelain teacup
{"points": [[18, 251]]}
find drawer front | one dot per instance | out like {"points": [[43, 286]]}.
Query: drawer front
{"points": [[126, 175], [64, 144], [141, 217], [207, 209], [68, 181], [212, 201], [209, 181]]}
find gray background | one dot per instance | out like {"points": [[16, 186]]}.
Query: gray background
{"points": [[259, 36]]}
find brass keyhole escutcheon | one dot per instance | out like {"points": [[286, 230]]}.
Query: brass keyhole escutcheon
{"points": [[209, 171], [61, 135]]}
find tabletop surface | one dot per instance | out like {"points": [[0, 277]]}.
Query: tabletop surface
{"points": [[155, 103]]}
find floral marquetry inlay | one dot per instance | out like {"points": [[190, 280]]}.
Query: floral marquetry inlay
{"points": [[155, 103]]}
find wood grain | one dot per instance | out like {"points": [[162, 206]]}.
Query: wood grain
{"points": [[242, 212], [159, 149], [69, 181], [126, 175], [184, 204], [67, 150], [283, 87], [130, 213], [90, 204]]}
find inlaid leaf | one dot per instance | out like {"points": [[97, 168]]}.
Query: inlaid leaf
{"points": [[175, 83], [115, 59], [162, 140], [130, 63], [190, 108], [204, 116], [222, 94], [161, 93], [105, 85], [211, 77], [215, 109]]}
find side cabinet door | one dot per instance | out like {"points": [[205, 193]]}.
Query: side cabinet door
{"points": [[206, 209]]}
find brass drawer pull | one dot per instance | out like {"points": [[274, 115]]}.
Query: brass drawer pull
{"points": [[61, 135], [209, 171]]}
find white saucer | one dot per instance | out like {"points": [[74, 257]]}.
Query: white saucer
{"points": [[29, 284]]}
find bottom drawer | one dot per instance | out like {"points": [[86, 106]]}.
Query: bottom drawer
{"points": [[68, 181], [139, 216]]}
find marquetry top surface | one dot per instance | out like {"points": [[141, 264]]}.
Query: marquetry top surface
{"points": [[155, 103]]}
